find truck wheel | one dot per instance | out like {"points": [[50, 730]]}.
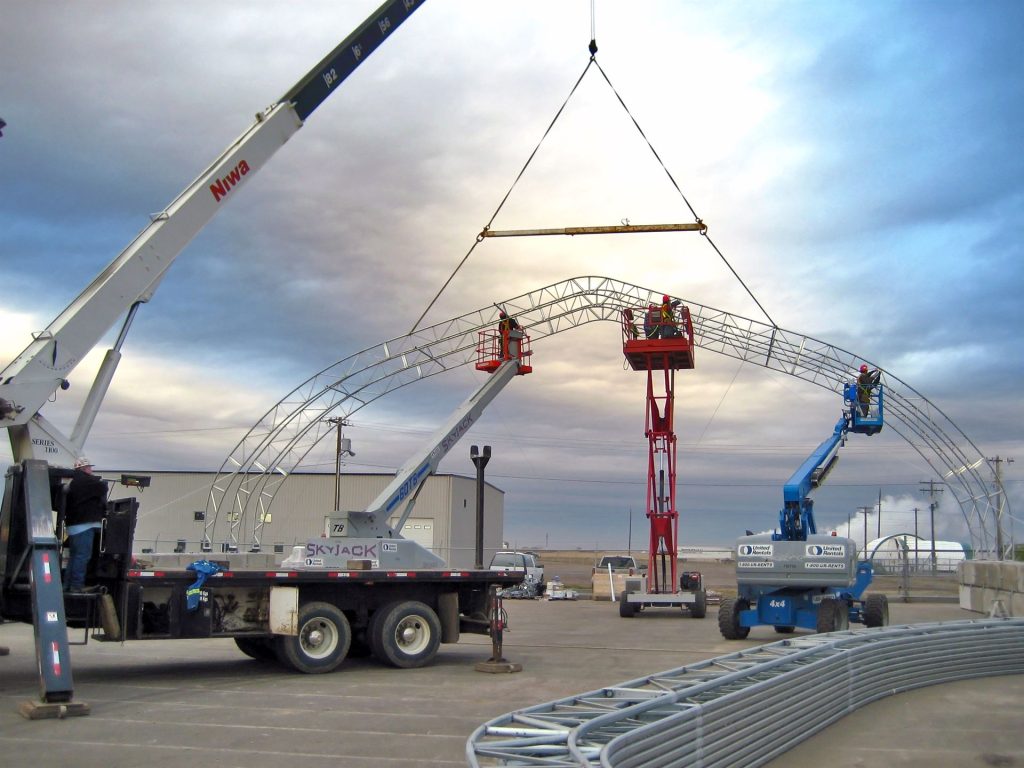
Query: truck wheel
{"points": [[405, 635], [876, 611], [627, 610], [833, 615], [259, 648], [699, 607], [729, 618], [322, 643]]}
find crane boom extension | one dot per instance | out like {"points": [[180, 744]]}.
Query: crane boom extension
{"points": [[132, 278]]}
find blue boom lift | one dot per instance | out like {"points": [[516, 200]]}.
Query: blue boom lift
{"points": [[796, 577]]}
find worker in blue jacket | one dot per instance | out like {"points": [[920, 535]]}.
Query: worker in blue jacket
{"points": [[86, 508]]}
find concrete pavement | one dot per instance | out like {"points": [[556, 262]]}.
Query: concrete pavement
{"points": [[176, 703]]}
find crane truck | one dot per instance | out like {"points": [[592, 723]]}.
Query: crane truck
{"points": [[366, 589], [795, 576]]}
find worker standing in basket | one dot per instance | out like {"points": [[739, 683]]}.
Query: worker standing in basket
{"points": [[506, 324], [669, 329], [865, 381], [86, 508]]}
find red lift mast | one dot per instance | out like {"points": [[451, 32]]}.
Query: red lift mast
{"points": [[658, 339]]}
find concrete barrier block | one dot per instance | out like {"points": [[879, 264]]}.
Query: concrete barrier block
{"points": [[987, 574], [1016, 606], [967, 572], [965, 597], [1009, 575]]}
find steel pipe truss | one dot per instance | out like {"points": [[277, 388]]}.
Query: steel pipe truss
{"points": [[249, 477], [746, 708]]}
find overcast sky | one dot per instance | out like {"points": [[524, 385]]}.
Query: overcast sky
{"points": [[860, 165]]}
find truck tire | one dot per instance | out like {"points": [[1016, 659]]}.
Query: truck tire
{"points": [[405, 635], [259, 648], [627, 610], [699, 607], [322, 643], [833, 615], [729, 618], [876, 611]]}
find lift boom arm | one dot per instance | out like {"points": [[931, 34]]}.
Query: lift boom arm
{"points": [[796, 520], [400, 495], [133, 277]]}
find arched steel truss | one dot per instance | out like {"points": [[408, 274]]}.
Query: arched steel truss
{"points": [[277, 445]]}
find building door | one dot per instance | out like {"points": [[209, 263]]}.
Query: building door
{"points": [[420, 530]]}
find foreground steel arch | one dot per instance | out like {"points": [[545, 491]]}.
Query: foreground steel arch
{"points": [[747, 707], [275, 447]]}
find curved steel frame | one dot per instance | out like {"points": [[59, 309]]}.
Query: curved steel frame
{"points": [[249, 477], [746, 708]]}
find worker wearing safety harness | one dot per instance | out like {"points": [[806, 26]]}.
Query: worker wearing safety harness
{"points": [[865, 382], [506, 324]]}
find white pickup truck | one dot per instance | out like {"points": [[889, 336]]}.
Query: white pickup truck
{"points": [[524, 562], [620, 564]]}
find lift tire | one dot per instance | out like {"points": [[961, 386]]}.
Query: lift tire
{"points": [[729, 618], [405, 635], [876, 610], [699, 607], [322, 643], [259, 648], [627, 610], [786, 630], [833, 616]]}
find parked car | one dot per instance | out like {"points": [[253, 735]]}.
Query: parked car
{"points": [[527, 562], [620, 564]]}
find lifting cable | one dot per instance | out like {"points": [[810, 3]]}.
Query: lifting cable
{"points": [[592, 47], [480, 237], [703, 231]]}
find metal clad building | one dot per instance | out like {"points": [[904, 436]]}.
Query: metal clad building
{"points": [[443, 519]]}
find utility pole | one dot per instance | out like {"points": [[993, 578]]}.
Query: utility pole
{"points": [[339, 422], [932, 506], [998, 461], [629, 534], [880, 513], [866, 511], [917, 540]]}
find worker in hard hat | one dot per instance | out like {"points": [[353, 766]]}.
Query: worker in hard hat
{"points": [[506, 324], [667, 320], [86, 508], [865, 382]]}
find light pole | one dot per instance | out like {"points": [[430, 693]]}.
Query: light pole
{"points": [[480, 461]]}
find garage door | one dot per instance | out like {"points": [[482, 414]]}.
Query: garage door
{"points": [[420, 530]]}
